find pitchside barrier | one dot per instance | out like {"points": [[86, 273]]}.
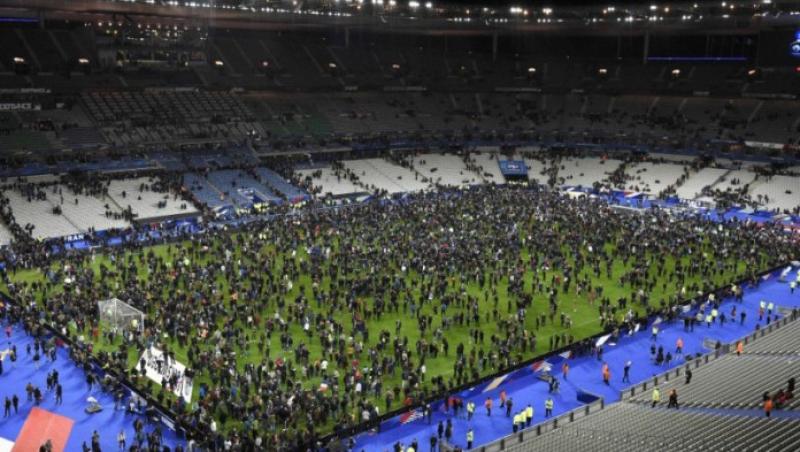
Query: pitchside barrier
{"points": [[377, 422], [536, 430], [162, 414]]}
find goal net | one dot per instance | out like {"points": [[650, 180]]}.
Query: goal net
{"points": [[120, 316]]}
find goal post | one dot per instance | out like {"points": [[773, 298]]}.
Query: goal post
{"points": [[120, 316]]}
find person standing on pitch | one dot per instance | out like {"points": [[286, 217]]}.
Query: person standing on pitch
{"points": [[626, 372], [548, 407]]}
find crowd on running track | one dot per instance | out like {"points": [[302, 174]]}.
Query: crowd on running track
{"points": [[225, 295]]}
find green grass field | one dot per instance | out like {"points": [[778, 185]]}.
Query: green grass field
{"points": [[585, 317]]}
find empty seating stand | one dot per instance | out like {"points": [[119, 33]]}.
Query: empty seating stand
{"points": [[242, 188], [445, 169], [278, 184], [5, 235], [652, 178], [489, 167], [783, 192], [147, 200], [586, 171], [783, 341], [168, 105], [40, 215], [81, 137], [695, 183], [627, 427], [718, 409], [88, 212], [328, 182], [384, 175], [731, 382], [205, 193]]}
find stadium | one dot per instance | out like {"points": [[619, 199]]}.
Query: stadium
{"points": [[397, 225]]}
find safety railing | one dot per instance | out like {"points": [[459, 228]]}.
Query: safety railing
{"points": [[536, 430], [677, 372]]}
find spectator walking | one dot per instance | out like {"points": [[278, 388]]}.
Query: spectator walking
{"points": [[656, 397], [626, 370], [673, 399], [768, 404]]}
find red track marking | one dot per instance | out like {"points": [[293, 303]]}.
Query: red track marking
{"points": [[40, 426]]}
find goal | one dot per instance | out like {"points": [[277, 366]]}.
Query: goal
{"points": [[120, 316]]}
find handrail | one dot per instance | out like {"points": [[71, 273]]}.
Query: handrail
{"points": [[538, 429]]}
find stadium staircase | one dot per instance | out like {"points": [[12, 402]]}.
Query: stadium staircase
{"points": [[215, 188], [474, 167], [228, 66], [719, 180], [57, 45], [113, 202], [244, 55], [386, 176], [28, 48]]}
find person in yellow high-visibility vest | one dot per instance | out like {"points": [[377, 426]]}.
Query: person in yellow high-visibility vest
{"points": [[516, 423], [548, 407], [528, 415], [656, 396], [470, 410], [470, 438]]}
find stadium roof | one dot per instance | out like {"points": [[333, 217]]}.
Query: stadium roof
{"points": [[429, 15]]}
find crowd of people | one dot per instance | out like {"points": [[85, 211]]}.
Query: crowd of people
{"points": [[314, 323], [44, 348]]}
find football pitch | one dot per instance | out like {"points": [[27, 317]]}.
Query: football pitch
{"points": [[268, 298]]}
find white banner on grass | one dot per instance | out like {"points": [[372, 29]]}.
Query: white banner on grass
{"points": [[183, 388], [602, 340]]}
